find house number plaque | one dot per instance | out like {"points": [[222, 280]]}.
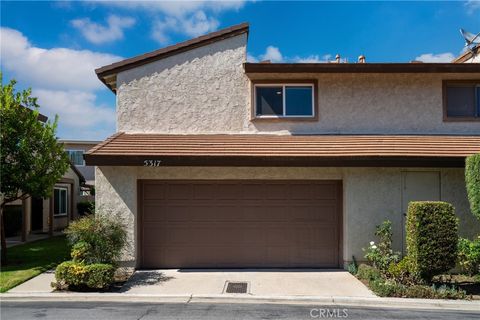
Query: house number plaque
{"points": [[152, 163]]}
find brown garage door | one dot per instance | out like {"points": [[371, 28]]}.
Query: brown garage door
{"points": [[239, 224]]}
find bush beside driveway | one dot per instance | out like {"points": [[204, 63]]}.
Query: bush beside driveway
{"points": [[28, 260]]}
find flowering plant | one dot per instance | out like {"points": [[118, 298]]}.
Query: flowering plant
{"points": [[382, 255]]}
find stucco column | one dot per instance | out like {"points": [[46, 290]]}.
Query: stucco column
{"points": [[26, 217], [50, 216]]}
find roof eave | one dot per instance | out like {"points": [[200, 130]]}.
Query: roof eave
{"points": [[251, 68], [115, 68], [280, 161]]}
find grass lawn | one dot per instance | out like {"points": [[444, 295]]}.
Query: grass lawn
{"points": [[28, 260]]}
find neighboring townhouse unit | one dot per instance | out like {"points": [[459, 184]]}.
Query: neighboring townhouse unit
{"points": [[38, 215], [76, 150], [222, 163], [469, 56]]}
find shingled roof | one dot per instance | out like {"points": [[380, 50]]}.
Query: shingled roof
{"points": [[261, 149]]}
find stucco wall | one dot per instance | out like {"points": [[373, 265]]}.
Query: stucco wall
{"points": [[375, 103], [60, 223], [201, 90], [371, 195], [205, 90]]}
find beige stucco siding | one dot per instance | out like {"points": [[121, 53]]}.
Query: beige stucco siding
{"points": [[201, 90], [377, 104], [205, 90], [370, 196]]}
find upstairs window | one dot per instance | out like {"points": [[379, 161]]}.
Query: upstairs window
{"points": [[76, 157], [462, 100], [284, 100]]}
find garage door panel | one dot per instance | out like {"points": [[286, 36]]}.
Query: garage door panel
{"points": [[178, 191], [275, 191], [152, 192], [208, 224], [253, 191], [325, 191]]}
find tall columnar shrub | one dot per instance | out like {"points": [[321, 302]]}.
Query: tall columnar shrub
{"points": [[431, 237], [472, 179]]}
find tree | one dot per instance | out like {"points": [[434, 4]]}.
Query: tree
{"points": [[32, 160], [472, 179]]}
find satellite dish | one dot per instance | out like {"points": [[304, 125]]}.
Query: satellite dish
{"points": [[471, 40]]}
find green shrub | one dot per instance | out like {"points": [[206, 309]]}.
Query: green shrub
{"points": [[431, 237], [382, 255], [403, 272], [369, 273], [385, 288], [353, 266], [433, 292], [86, 207], [80, 252], [469, 255], [472, 180], [97, 239], [78, 276], [388, 288]]}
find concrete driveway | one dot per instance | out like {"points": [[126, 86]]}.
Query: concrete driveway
{"points": [[295, 282]]}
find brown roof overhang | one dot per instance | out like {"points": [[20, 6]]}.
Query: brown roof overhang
{"points": [[111, 70], [283, 150], [361, 68]]}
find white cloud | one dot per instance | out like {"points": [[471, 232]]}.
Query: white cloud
{"points": [[251, 58], [436, 58], [79, 115], [190, 18], [55, 68], [97, 33], [315, 58], [273, 54], [194, 25], [178, 8], [64, 82], [472, 6]]}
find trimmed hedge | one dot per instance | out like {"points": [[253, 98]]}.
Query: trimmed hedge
{"points": [[76, 275], [469, 255], [431, 238], [472, 179]]}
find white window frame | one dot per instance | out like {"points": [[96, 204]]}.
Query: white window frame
{"points": [[284, 105], [77, 150], [61, 214]]}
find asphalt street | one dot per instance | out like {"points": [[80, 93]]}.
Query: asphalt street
{"points": [[146, 311]]}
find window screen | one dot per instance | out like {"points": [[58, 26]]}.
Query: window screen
{"points": [[284, 100], [298, 101], [76, 157], [269, 101], [463, 101], [60, 200]]}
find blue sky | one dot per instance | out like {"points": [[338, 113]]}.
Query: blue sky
{"points": [[53, 47]]}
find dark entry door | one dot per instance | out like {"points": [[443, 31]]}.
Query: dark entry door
{"points": [[37, 214]]}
